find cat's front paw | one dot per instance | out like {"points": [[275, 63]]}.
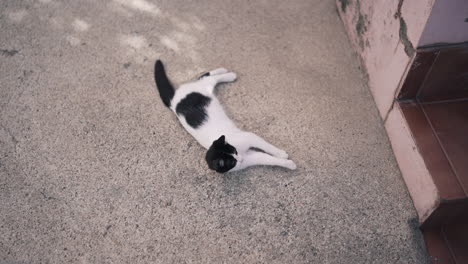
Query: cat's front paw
{"points": [[230, 76], [218, 71], [290, 165], [239, 158], [281, 154]]}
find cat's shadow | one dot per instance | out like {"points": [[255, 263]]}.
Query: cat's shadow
{"points": [[235, 183]]}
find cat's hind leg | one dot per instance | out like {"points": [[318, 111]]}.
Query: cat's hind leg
{"points": [[253, 158], [218, 71], [257, 142], [213, 72], [223, 77], [212, 81]]}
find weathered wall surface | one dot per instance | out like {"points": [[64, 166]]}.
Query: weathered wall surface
{"points": [[384, 34]]}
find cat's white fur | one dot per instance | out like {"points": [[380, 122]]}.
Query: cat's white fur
{"points": [[218, 123]]}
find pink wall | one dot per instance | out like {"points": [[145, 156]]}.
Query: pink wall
{"points": [[448, 23], [384, 34]]}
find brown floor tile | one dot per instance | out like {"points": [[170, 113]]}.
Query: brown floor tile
{"points": [[456, 237], [420, 67], [448, 75], [439, 167], [450, 123], [438, 250]]}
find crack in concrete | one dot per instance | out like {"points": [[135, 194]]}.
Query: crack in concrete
{"points": [[403, 31], [9, 53], [344, 4], [13, 138], [361, 26], [47, 197]]}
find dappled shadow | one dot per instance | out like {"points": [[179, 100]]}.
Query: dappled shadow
{"points": [[140, 5], [163, 32], [17, 15], [80, 25], [179, 38], [75, 49]]}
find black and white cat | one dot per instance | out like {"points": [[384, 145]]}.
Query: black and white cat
{"points": [[201, 114]]}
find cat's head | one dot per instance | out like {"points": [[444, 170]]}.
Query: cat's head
{"points": [[220, 156]]}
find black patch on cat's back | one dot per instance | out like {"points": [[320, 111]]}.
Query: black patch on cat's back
{"points": [[193, 108]]}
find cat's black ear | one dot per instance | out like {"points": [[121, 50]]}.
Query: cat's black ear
{"points": [[221, 140]]}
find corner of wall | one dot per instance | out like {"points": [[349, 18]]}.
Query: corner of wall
{"points": [[421, 187]]}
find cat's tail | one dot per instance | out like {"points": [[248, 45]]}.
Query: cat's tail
{"points": [[166, 90]]}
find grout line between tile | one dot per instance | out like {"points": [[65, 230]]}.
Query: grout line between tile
{"points": [[427, 76], [444, 101], [447, 244]]}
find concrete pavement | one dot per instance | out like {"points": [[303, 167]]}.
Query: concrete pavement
{"points": [[94, 168]]}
